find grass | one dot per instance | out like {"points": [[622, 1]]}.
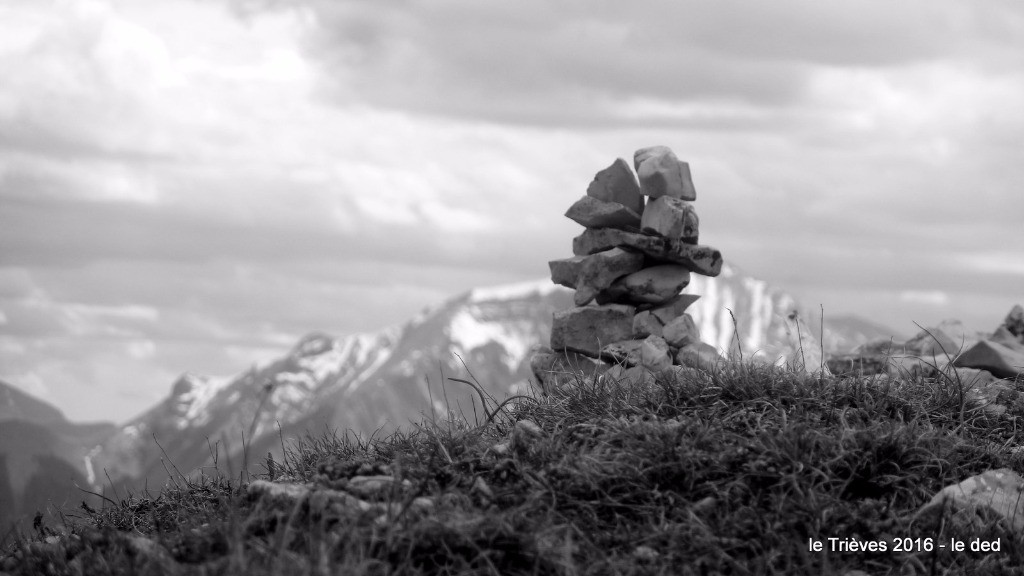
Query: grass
{"points": [[724, 472]]}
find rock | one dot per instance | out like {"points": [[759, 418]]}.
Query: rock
{"points": [[671, 218], [674, 308], [1014, 321], [265, 490], [645, 324], [587, 329], [598, 271], [481, 489], [593, 213], [932, 342], [1003, 336], [700, 259], [525, 433], [616, 183], [654, 354], [699, 355], [1000, 491], [638, 374], [681, 332], [662, 174], [654, 285], [994, 395], [649, 152], [565, 271], [685, 374], [552, 369], [1000, 360], [375, 487], [626, 352], [645, 554]]}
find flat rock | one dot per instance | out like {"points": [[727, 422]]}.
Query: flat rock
{"points": [[700, 355], [598, 271], [587, 329], [553, 369], [662, 174], [626, 352], [654, 285], [1001, 491], [593, 213], [655, 354], [616, 183], [566, 271], [1002, 361], [681, 332], [672, 218], [674, 308], [702, 260]]}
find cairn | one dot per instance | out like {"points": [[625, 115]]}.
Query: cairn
{"points": [[629, 268]]}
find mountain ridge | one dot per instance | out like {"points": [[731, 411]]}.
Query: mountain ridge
{"points": [[374, 382]]}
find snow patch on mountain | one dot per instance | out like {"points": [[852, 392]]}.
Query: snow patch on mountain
{"points": [[202, 394], [468, 332]]}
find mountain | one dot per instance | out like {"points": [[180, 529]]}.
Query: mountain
{"points": [[370, 382], [760, 311], [43, 458]]}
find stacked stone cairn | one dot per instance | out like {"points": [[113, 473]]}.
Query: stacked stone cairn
{"points": [[629, 268]]}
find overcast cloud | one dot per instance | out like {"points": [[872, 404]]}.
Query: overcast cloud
{"points": [[191, 185]]}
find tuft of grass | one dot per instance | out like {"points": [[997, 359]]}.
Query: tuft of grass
{"points": [[729, 471]]}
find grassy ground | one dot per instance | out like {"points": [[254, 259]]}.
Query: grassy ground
{"points": [[729, 472]]}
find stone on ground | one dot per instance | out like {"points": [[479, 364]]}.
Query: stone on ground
{"points": [[598, 271], [593, 213], [587, 329], [654, 285], [703, 260], [1002, 361], [672, 218], [1001, 491], [616, 183]]}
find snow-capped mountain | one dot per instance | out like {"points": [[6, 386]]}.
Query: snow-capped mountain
{"points": [[760, 311], [367, 382]]}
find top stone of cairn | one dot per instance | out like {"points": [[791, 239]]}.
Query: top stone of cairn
{"points": [[617, 184], [662, 174]]}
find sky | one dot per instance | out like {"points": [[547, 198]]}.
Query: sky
{"points": [[194, 185]]}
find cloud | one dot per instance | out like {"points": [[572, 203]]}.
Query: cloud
{"points": [[931, 297], [560, 64]]}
